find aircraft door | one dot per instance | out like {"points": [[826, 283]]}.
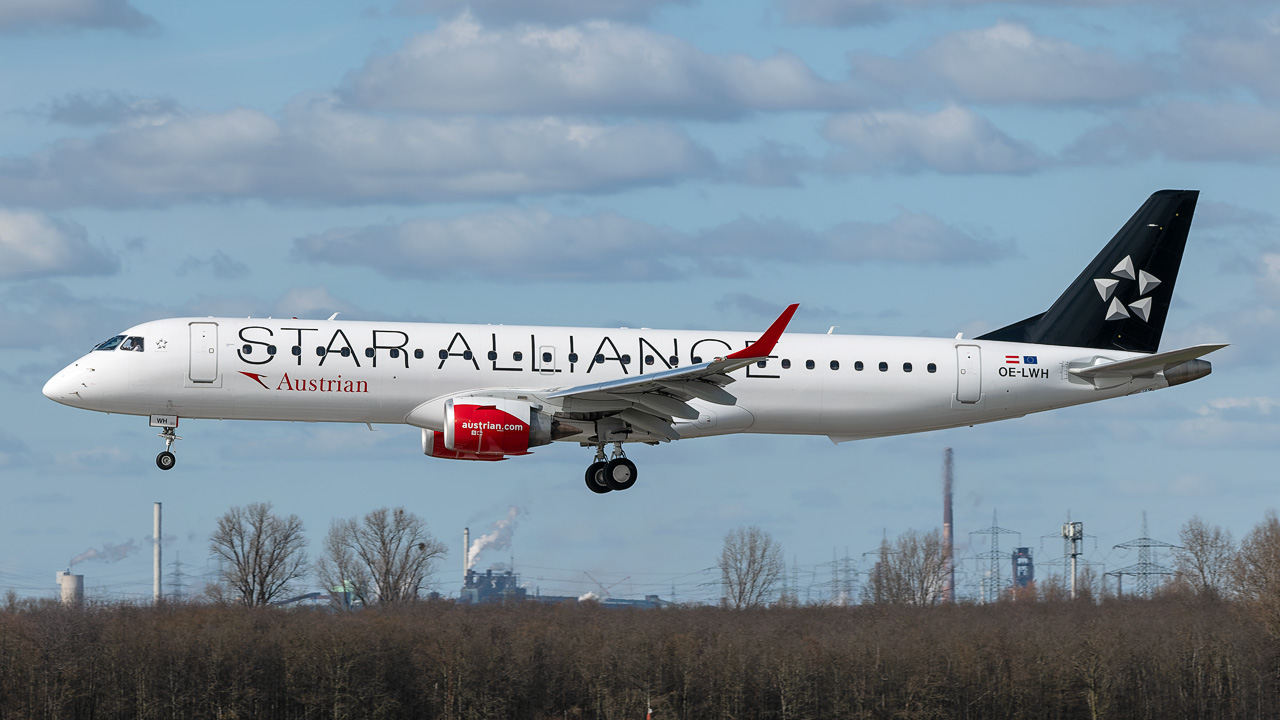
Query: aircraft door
{"points": [[968, 373], [204, 352]]}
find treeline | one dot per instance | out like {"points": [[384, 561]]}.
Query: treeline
{"points": [[1176, 656]]}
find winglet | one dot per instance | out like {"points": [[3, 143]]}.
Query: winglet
{"points": [[764, 346]]}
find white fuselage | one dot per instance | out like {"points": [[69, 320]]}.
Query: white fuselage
{"points": [[845, 387]]}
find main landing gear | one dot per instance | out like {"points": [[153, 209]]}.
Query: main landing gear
{"points": [[166, 459], [617, 473]]}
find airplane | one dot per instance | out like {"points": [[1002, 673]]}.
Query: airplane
{"points": [[491, 392]]}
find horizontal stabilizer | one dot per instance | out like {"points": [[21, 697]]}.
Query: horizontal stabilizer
{"points": [[1147, 365]]}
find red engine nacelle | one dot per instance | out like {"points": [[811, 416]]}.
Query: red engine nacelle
{"points": [[433, 445], [495, 426]]}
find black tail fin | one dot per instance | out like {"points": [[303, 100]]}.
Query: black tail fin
{"points": [[1121, 300]]}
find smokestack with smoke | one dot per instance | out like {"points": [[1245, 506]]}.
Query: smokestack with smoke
{"points": [[497, 538], [109, 553]]}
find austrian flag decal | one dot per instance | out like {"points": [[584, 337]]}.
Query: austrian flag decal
{"points": [[1020, 360]]}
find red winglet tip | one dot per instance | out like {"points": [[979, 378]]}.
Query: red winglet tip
{"points": [[764, 346]]}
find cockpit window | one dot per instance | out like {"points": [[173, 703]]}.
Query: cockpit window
{"points": [[132, 343], [111, 344]]}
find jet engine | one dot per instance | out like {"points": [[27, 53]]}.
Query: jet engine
{"points": [[488, 428]]}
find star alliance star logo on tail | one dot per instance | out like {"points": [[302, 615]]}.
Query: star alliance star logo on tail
{"points": [[1140, 308]]}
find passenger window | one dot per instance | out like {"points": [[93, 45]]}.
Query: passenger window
{"points": [[696, 360], [517, 356], [932, 368], [626, 359], [346, 351], [492, 356], [673, 361], [648, 359], [368, 352], [884, 367], [786, 364], [573, 357], [546, 357], [395, 353], [271, 349], [297, 350], [418, 354], [808, 364], [858, 366], [466, 355], [599, 359], [906, 367], [247, 349], [320, 351], [444, 354], [761, 363], [835, 364]]}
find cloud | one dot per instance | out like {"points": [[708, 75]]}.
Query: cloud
{"points": [[1233, 422], [953, 141], [536, 245], [44, 15], [843, 13], [13, 452], [547, 11], [909, 238], [595, 68], [314, 301], [1186, 131], [1245, 56], [104, 107], [320, 153], [509, 243], [771, 164], [220, 264], [33, 245], [1008, 63]]}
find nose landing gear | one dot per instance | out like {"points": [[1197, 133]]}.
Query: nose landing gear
{"points": [[166, 460], [618, 473]]}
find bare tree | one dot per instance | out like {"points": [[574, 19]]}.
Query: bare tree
{"points": [[750, 565], [261, 553], [384, 558], [1255, 570], [1203, 561], [910, 571]]}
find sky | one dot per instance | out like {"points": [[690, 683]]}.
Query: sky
{"points": [[897, 167]]}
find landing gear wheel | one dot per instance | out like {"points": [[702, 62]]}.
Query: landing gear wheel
{"points": [[620, 474], [165, 460], [595, 478]]}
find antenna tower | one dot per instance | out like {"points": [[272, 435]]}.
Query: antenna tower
{"points": [[994, 557]]}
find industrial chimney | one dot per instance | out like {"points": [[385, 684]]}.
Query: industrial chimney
{"points": [[156, 589], [72, 587], [466, 553], [948, 545]]}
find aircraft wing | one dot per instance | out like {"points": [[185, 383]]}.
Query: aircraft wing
{"points": [[652, 402]]}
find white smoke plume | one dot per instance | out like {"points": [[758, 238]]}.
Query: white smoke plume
{"points": [[498, 537], [108, 554]]}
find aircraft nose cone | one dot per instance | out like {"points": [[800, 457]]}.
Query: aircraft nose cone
{"points": [[61, 387]]}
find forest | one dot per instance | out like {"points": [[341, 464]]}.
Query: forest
{"points": [[1178, 655]]}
